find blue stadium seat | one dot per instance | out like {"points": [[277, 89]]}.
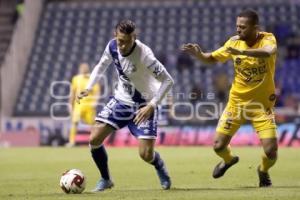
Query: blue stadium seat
{"points": [[70, 32]]}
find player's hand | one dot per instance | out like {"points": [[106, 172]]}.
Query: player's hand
{"points": [[143, 114], [81, 95], [193, 49], [234, 51]]}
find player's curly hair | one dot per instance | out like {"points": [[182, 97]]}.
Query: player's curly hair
{"points": [[125, 26], [250, 14]]}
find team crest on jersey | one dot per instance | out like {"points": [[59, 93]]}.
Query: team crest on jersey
{"points": [[238, 61]]}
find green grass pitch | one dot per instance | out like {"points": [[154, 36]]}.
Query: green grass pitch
{"points": [[34, 173]]}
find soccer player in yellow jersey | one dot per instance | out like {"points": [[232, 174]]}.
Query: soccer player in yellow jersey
{"points": [[252, 95], [86, 110]]}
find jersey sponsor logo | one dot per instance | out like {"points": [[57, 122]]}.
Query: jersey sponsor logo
{"points": [[249, 74]]}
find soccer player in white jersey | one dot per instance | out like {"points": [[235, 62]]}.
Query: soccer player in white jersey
{"points": [[142, 83]]}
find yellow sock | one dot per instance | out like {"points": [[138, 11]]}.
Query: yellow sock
{"points": [[226, 154], [72, 134], [266, 163]]}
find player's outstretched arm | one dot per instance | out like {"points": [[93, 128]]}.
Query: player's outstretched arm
{"points": [[264, 52], [196, 51], [97, 72]]}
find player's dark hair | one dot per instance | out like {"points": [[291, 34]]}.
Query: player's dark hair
{"points": [[250, 14], [125, 26]]}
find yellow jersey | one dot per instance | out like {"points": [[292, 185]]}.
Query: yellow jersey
{"points": [[79, 83], [254, 77]]}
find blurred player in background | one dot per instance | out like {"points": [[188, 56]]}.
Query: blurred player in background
{"points": [[142, 83], [252, 95], [86, 110]]}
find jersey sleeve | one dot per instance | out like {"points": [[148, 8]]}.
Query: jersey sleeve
{"points": [[100, 68], [221, 54], [152, 64], [160, 73], [269, 40]]}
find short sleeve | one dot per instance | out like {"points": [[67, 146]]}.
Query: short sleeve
{"points": [[269, 40], [152, 64], [221, 54]]}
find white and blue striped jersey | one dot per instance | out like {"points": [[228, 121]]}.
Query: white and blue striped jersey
{"points": [[141, 77]]}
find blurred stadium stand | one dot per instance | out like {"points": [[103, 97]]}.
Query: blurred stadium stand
{"points": [[70, 32], [14, 63], [7, 13]]}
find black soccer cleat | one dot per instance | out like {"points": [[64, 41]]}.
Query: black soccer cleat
{"points": [[264, 178], [221, 167]]}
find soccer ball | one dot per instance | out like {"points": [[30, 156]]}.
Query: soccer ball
{"points": [[72, 181]]}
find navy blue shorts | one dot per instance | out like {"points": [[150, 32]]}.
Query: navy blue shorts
{"points": [[119, 115]]}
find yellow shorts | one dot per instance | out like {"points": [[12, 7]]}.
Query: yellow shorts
{"points": [[234, 116], [85, 114]]}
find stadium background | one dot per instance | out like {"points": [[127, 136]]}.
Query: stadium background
{"points": [[43, 42]]}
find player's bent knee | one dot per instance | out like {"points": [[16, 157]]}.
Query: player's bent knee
{"points": [[271, 152], [146, 154], [219, 145], [94, 141], [221, 141], [98, 134], [270, 148]]}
